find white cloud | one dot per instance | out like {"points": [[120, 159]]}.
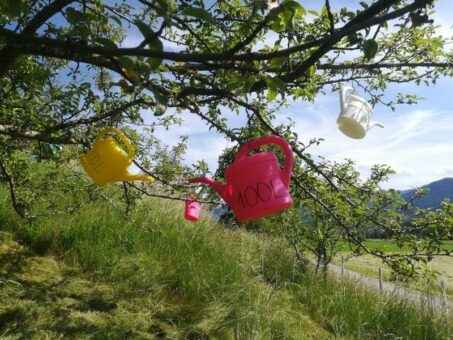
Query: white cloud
{"points": [[209, 150], [203, 143], [442, 17]]}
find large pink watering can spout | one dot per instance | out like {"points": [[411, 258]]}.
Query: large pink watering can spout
{"points": [[256, 185], [219, 188]]}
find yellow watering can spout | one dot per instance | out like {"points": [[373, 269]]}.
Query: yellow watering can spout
{"points": [[130, 177], [107, 161]]}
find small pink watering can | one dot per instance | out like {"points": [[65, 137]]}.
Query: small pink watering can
{"points": [[193, 209], [256, 186]]}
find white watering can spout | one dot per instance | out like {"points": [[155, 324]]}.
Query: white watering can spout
{"points": [[372, 124], [343, 90]]}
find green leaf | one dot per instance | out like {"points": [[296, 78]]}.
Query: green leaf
{"points": [[161, 101], [311, 71], [260, 4], [280, 84], [364, 4], [199, 13], [353, 39], [235, 81], [370, 48], [164, 8], [278, 24], [74, 16], [117, 20], [249, 82], [106, 42], [155, 45], [126, 62], [288, 19], [271, 93], [125, 86], [295, 7], [298, 93], [241, 84], [144, 29], [273, 13], [283, 18], [271, 89], [277, 62], [132, 75], [274, 85], [13, 8]]}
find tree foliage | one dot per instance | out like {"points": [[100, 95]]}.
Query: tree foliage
{"points": [[69, 68]]}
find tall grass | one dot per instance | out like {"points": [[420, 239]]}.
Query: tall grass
{"points": [[347, 307], [177, 279]]}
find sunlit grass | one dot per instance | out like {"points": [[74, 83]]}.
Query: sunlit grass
{"points": [[100, 274]]}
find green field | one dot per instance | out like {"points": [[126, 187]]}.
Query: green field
{"points": [[440, 268], [152, 275], [390, 247]]}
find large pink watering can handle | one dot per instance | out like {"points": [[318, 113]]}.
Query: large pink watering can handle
{"points": [[282, 143]]}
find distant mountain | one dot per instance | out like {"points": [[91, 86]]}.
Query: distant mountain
{"points": [[437, 192]]}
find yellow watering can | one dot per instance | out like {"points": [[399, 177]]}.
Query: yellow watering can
{"points": [[108, 162]]}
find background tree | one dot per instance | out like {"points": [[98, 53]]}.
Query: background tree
{"points": [[64, 75]]}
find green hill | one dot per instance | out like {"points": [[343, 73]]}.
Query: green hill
{"points": [[151, 275]]}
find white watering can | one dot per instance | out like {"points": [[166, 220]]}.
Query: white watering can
{"points": [[354, 119]]}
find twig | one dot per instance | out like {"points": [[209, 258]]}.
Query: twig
{"points": [[331, 19], [143, 191]]}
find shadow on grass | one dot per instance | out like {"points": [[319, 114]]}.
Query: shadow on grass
{"points": [[41, 297]]}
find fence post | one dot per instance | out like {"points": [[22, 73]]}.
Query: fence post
{"points": [[444, 299], [342, 266], [380, 279]]}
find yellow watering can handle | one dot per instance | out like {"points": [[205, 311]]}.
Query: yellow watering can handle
{"points": [[130, 148]]}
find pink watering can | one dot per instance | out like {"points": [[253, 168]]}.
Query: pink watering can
{"points": [[256, 186], [193, 209]]}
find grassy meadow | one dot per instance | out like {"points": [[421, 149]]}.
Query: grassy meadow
{"points": [[440, 268], [390, 247], [98, 274]]}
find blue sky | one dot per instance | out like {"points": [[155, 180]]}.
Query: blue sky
{"points": [[416, 141]]}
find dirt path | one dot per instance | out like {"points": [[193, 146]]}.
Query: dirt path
{"points": [[433, 302]]}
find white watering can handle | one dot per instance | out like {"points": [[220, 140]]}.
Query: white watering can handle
{"points": [[343, 90]]}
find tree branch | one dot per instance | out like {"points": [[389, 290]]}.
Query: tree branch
{"points": [[95, 119], [250, 38], [12, 131], [19, 210], [78, 51], [8, 53], [354, 25], [382, 65]]}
